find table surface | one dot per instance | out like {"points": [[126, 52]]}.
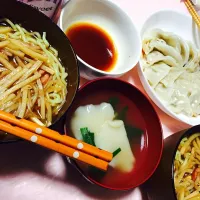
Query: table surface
{"points": [[29, 172]]}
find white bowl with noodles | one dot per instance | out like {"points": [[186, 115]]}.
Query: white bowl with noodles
{"points": [[183, 26], [109, 17]]}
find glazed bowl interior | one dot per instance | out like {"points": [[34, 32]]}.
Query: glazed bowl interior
{"points": [[146, 147], [111, 18], [33, 20]]}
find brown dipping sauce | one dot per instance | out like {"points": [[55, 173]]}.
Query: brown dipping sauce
{"points": [[93, 45]]}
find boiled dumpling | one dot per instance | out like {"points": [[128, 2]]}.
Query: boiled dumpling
{"points": [[97, 114], [173, 74], [193, 79], [156, 56], [164, 93], [183, 87], [180, 103], [157, 39], [172, 68], [169, 38], [185, 50], [156, 73], [164, 48], [194, 59], [195, 102], [113, 136]]}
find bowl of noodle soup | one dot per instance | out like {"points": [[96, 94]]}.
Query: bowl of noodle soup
{"points": [[178, 174], [39, 76]]}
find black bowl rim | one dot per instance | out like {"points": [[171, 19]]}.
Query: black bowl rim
{"points": [[186, 133], [73, 162], [74, 53]]}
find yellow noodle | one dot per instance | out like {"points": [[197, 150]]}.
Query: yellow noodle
{"points": [[20, 85], [4, 43], [14, 78], [47, 69], [9, 76], [28, 51], [4, 56], [23, 54], [42, 100], [6, 64], [24, 102], [5, 29], [28, 73], [16, 52], [188, 142]]}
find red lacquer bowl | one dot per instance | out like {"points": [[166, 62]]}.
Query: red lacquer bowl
{"points": [[147, 147]]}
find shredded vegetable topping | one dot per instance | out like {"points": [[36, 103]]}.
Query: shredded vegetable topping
{"points": [[32, 79], [187, 168]]}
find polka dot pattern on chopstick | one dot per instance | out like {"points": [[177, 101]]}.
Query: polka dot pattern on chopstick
{"points": [[38, 130], [34, 138], [80, 146], [76, 154]]}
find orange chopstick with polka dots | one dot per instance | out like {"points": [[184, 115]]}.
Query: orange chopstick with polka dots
{"points": [[51, 134], [55, 136], [50, 144]]}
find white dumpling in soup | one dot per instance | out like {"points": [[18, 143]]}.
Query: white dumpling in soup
{"points": [[113, 136], [109, 134], [92, 117]]}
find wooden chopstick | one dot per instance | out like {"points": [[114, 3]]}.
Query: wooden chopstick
{"points": [[193, 12], [51, 134], [50, 144]]}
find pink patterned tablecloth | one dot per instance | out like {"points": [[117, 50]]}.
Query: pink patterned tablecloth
{"points": [[29, 172]]}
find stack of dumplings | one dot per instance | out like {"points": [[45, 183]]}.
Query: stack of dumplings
{"points": [[172, 67]]}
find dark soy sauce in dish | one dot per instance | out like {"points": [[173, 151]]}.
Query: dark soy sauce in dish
{"points": [[93, 45]]}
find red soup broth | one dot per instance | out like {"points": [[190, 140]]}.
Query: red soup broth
{"points": [[139, 144]]}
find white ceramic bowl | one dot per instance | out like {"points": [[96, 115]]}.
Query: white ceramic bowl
{"points": [[182, 25], [116, 22]]}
